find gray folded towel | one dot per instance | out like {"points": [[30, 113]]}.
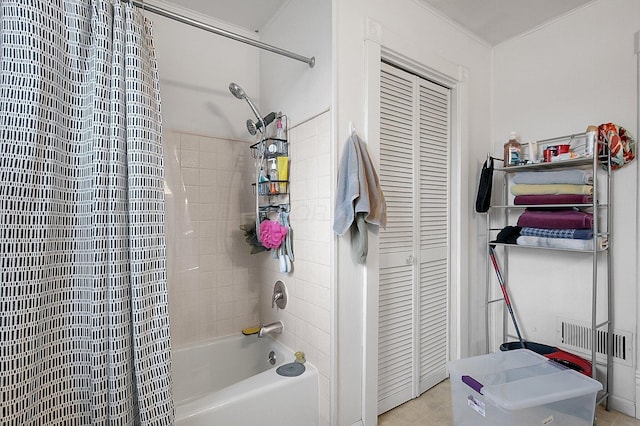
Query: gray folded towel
{"points": [[575, 177]]}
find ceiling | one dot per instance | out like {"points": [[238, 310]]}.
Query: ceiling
{"points": [[498, 20], [251, 14], [491, 20]]}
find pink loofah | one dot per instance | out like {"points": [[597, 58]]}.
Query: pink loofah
{"points": [[272, 234]]}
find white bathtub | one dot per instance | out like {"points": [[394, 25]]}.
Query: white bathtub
{"points": [[229, 381]]}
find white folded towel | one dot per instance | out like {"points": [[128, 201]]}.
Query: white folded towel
{"points": [[562, 243]]}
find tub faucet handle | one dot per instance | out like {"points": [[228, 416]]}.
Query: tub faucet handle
{"points": [[276, 296], [279, 297]]}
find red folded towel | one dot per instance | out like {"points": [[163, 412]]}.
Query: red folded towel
{"points": [[556, 219], [553, 199]]}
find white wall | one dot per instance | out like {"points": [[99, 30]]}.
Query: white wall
{"points": [[195, 70], [302, 27], [556, 80], [431, 41]]}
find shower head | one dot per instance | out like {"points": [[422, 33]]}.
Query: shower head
{"points": [[237, 91], [260, 124], [251, 127], [240, 94]]}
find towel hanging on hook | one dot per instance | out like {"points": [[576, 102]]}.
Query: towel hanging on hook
{"points": [[359, 197]]}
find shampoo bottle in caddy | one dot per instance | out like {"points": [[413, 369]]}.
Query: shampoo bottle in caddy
{"points": [[273, 176]]}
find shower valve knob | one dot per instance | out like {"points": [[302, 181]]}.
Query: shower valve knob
{"points": [[279, 297]]}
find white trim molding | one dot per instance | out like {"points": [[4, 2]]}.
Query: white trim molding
{"points": [[636, 44], [634, 412]]}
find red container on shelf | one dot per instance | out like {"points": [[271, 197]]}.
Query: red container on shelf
{"points": [[549, 152]]}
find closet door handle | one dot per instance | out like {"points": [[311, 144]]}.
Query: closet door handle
{"points": [[410, 260]]}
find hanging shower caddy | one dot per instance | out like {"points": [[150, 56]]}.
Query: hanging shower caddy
{"points": [[272, 195], [271, 191]]}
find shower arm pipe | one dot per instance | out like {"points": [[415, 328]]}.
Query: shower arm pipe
{"points": [[210, 28]]}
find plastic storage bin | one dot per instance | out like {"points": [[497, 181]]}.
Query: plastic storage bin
{"points": [[520, 387]]}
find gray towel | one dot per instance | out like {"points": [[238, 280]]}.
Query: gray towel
{"points": [[359, 239], [575, 177], [358, 188]]}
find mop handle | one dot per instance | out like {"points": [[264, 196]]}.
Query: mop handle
{"points": [[500, 280], [507, 301]]}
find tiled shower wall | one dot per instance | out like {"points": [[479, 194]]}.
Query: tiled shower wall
{"points": [[307, 317], [208, 196]]}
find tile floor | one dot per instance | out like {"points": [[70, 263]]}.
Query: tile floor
{"points": [[433, 408]]}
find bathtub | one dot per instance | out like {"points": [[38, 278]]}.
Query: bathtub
{"points": [[230, 381]]}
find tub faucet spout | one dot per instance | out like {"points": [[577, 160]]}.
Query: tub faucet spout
{"points": [[271, 328]]}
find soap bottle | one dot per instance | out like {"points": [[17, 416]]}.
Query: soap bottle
{"points": [[512, 150], [273, 176], [262, 179]]}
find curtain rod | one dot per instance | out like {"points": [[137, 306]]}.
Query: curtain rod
{"points": [[210, 28]]}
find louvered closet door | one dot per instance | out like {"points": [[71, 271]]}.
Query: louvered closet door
{"points": [[396, 298], [433, 257], [413, 248]]}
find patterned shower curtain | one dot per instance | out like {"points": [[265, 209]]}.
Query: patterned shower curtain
{"points": [[84, 328]]}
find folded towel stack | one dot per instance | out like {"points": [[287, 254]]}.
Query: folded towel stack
{"points": [[547, 224]]}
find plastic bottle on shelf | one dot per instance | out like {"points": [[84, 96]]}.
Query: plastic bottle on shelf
{"points": [[590, 142], [533, 152], [280, 135], [273, 176], [279, 129], [512, 150], [262, 182]]}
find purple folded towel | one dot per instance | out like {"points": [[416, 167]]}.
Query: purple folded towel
{"points": [[553, 199], [556, 219]]}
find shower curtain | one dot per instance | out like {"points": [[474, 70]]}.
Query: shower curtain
{"points": [[84, 328]]}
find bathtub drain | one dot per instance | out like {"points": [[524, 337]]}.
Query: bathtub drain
{"points": [[292, 369], [272, 358]]}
